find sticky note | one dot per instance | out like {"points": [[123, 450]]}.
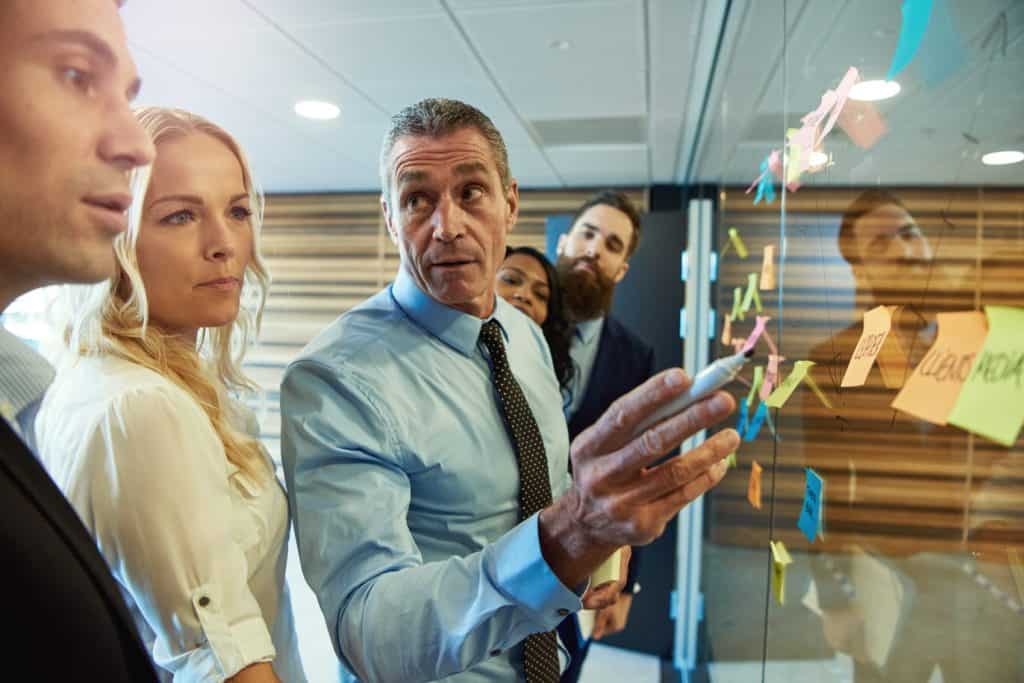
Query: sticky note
{"points": [[754, 485], [771, 375], [737, 304], [877, 323], [751, 297], [756, 333], [862, 123], [756, 384], [842, 94], [738, 343], [788, 385], [932, 389], [768, 268], [737, 243], [772, 349], [730, 460], [793, 164], [991, 402], [780, 560], [942, 51], [813, 386], [741, 422], [915, 22], [756, 422], [727, 330], [810, 514]]}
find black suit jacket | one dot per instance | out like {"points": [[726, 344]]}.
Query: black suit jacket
{"points": [[623, 362], [66, 619]]}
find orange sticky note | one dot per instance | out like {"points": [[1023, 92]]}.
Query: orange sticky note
{"points": [[862, 123], [768, 268], [727, 331], [780, 560], [932, 390], [877, 323], [894, 358], [754, 485]]}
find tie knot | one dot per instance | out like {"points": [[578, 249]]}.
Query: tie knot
{"points": [[490, 335]]}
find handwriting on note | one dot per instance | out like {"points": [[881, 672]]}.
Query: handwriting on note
{"points": [[991, 402], [754, 485], [932, 389], [877, 323]]}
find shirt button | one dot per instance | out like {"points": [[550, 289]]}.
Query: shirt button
{"points": [[562, 612], [495, 652], [204, 601]]}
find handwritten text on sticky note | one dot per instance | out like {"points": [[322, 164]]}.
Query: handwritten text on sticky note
{"points": [[991, 402], [877, 323], [932, 389]]}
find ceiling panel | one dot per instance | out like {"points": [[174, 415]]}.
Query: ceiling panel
{"points": [[602, 165]]}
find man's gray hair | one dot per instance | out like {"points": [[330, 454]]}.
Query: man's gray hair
{"points": [[436, 118]]}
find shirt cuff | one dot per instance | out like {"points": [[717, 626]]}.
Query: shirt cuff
{"points": [[519, 571], [230, 646]]}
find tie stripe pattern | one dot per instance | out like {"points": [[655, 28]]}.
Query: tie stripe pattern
{"points": [[540, 650]]}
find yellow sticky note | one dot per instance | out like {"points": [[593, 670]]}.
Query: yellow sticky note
{"points": [[768, 268], [793, 154], [780, 560], [727, 331], [754, 485], [932, 390], [751, 297], [737, 243], [788, 385], [877, 323], [809, 381], [991, 402], [730, 460]]}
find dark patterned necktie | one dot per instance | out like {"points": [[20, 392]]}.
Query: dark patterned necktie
{"points": [[540, 650]]}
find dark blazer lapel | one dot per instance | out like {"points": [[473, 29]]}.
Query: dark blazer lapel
{"points": [[22, 467]]}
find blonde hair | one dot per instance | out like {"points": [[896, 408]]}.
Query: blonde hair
{"points": [[112, 317]]}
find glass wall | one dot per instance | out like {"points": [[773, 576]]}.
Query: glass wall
{"points": [[873, 528]]}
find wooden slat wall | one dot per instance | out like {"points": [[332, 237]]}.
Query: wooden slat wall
{"points": [[892, 484], [327, 253]]}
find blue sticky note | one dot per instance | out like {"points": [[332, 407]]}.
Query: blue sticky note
{"points": [[765, 187], [741, 424], [754, 428], [810, 514], [942, 51], [915, 22]]}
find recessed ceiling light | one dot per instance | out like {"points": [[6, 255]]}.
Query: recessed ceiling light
{"points": [[560, 45], [1003, 158], [872, 91], [316, 109], [817, 159]]}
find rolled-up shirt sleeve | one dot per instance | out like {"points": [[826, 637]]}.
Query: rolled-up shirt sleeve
{"points": [[159, 500], [392, 616]]}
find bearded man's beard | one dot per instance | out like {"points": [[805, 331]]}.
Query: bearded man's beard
{"points": [[588, 294]]}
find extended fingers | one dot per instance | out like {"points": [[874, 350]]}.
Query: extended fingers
{"points": [[614, 428]]}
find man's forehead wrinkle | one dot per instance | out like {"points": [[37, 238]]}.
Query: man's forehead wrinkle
{"points": [[410, 160]]}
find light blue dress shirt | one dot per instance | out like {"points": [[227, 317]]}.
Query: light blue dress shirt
{"points": [[404, 487], [24, 378], [583, 352]]}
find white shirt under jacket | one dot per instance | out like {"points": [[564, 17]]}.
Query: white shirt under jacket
{"points": [[198, 549]]}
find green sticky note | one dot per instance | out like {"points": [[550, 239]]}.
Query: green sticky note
{"points": [[991, 402], [751, 298], [730, 460], [737, 309], [788, 385]]}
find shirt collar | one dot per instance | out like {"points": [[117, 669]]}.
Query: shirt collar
{"points": [[24, 374], [458, 330], [587, 330]]}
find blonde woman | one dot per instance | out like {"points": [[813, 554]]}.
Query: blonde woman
{"points": [[140, 430]]}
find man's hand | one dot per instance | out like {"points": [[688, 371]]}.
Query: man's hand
{"points": [[613, 618], [607, 593], [619, 496]]}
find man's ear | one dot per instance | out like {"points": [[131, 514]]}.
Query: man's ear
{"points": [[622, 272], [512, 200], [387, 218]]}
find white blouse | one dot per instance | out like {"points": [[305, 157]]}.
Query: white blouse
{"points": [[198, 549]]}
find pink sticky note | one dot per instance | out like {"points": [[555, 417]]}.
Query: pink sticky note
{"points": [[772, 349], [842, 93], [756, 334], [771, 375]]}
